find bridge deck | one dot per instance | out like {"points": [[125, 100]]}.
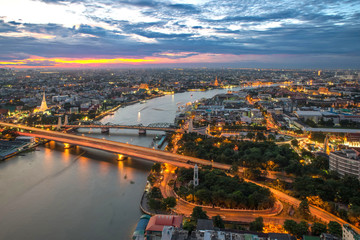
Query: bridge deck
{"points": [[166, 129], [116, 147]]}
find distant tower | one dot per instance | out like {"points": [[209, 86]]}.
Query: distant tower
{"points": [[196, 175], [216, 83], [326, 145], [319, 73], [43, 106]]}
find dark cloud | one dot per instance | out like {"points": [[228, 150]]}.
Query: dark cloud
{"points": [[265, 27]]}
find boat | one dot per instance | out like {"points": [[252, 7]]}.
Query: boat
{"points": [[142, 101]]}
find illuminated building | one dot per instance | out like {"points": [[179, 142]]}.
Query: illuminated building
{"points": [[345, 162], [43, 106]]}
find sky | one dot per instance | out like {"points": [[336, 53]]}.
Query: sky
{"points": [[180, 33]]}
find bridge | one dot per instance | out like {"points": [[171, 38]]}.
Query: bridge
{"points": [[166, 127], [114, 147], [154, 156]]}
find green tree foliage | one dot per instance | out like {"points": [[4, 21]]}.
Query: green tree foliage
{"points": [[155, 193], [247, 154], [329, 188], [317, 137], [257, 225], [154, 204], [295, 143], [189, 226], [252, 173], [156, 168], [335, 228], [151, 179], [296, 229], [198, 213], [318, 228], [290, 226], [219, 189], [302, 229], [169, 202], [304, 208], [218, 222]]}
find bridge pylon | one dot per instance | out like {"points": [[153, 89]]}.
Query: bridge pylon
{"points": [[59, 123], [66, 121], [105, 130]]}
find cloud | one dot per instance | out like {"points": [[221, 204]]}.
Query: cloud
{"points": [[174, 30]]}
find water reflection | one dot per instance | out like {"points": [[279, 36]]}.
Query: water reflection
{"points": [[82, 193]]}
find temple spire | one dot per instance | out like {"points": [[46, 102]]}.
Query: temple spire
{"points": [[43, 106]]}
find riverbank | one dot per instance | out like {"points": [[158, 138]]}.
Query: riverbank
{"points": [[16, 149]]}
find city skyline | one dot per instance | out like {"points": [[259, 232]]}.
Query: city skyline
{"points": [[285, 34]]}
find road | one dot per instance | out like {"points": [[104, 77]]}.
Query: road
{"points": [[157, 156], [316, 211], [186, 208], [116, 147]]}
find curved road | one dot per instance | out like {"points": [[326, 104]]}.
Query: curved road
{"points": [[156, 156], [186, 208]]}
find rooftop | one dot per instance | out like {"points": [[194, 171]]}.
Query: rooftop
{"points": [[158, 222]]}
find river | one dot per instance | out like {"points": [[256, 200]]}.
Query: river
{"points": [[79, 193]]}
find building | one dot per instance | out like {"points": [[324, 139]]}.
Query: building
{"points": [[327, 236], [314, 116], [348, 233], [43, 106], [139, 232], [352, 140], [345, 162], [157, 223]]}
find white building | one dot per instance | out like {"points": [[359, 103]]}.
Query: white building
{"points": [[345, 162], [348, 233]]}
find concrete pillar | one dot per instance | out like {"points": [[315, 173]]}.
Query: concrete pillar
{"points": [[66, 121], [142, 131], [105, 130], [59, 123]]}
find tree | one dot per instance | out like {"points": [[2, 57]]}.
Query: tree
{"points": [[290, 226], [304, 208], [271, 137], [234, 168], [198, 213], [318, 228], [189, 225], [203, 195], [317, 137], [252, 173], [295, 143], [151, 179], [156, 168], [257, 225], [169, 202], [302, 229], [260, 136], [218, 222], [335, 228], [250, 135], [155, 192], [155, 204]]}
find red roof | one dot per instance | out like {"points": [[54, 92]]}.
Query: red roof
{"points": [[158, 222]]}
